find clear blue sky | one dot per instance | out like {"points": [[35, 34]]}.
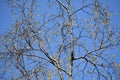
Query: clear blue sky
{"points": [[6, 18]]}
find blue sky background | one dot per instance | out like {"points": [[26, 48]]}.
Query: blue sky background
{"points": [[6, 18]]}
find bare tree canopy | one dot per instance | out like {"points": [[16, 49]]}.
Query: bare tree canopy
{"points": [[59, 40]]}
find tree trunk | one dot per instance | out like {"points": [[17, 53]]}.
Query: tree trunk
{"points": [[71, 49]]}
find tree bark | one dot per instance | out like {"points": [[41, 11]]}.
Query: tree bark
{"points": [[71, 49]]}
